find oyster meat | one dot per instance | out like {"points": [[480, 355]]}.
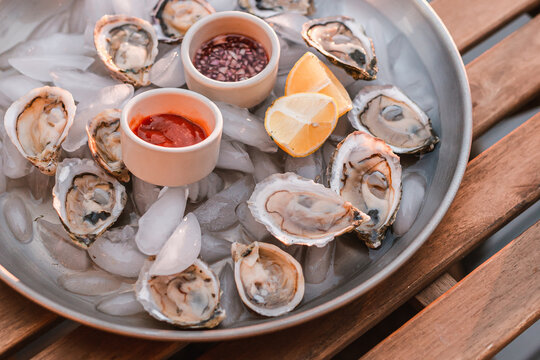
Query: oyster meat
{"points": [[38, 123], [366, 172], [266, 8], [269, 281], [127, 46], [189, 299], [173, 18], [104, 143], [87, 200], [298, 211], [344, 42], [387, 113]]}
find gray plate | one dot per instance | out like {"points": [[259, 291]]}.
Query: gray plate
{"points": [[438, 66]]}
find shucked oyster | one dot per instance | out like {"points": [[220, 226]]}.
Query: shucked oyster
{"points": [[265, 8], [366, 172], [269, 281], [104, 143], [188, 299], [87, 200], [127, 46], [38, 123], [299, 211], [344, 42], [173, 18], [387, 113]]}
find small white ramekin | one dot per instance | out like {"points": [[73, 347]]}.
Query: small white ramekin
{"points": [[245, 93], [164, 165]]}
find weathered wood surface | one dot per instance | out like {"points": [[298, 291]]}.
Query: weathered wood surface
{"points": [[90, 344], [20, 318], [488, 180], [435, 289], [479, 316], [505, 76], [470, 21]]}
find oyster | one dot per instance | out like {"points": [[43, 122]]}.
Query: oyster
{"points": [[173, 18], [127, 46], [387, 113], [366, 172], [266, 8], [87, 200], [104, 143], [189, 299], [269, 281], [344, 42], [38, 123], [298, 211]]}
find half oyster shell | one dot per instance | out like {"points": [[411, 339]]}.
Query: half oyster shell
{"points": [[366, 172], [269, 281], [266, 8], [173, 18], [387, 113], [38, 123], [189, 299], [127, 46], [87, 200], [299, 211], [104, 143], [344, 42]]}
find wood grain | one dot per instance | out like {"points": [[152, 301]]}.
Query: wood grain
{"points": [[20, 319], [90, 344], [478, 317], [470, 21], [490, 179], [435, 289], [505, 76]]}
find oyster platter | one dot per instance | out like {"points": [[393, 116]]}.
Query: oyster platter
{"points": [[307, 186]]}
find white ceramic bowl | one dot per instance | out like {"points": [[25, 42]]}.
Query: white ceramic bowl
{"points": [[164, 165], [245, 93]]}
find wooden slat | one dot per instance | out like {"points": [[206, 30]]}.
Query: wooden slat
{"points": [[478, 317], [20, 319], [435, 289], [489, 179], [471, 21], [506, 76], [90, 344]]}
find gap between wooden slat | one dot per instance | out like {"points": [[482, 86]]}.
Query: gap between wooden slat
{"points": [[488, 180], [90, 344], [434, 290], [484, 312], [505, 77], [470, 21]]}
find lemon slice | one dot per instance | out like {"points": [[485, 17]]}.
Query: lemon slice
{"points": [[301, 123], [310, 74]]}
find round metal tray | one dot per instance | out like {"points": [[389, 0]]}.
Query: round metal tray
{"points": [[441, 66]]}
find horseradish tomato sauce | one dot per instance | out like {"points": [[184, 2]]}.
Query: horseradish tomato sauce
{"points": [[230, 58], [169, 130]]}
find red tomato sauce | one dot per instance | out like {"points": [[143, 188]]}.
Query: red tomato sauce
{"points": [[169, 130]]}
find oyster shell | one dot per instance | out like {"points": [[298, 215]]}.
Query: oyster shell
{"points": [[173, 18], [104, 143], [38, 123], [387, 113], [298, 211], [266, 8], [189, 299], [366, 172], [127, 46], [87, 200], [269, 281], [344, 42]]}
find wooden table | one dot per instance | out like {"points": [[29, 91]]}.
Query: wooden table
{"points": [[472, 318]]}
